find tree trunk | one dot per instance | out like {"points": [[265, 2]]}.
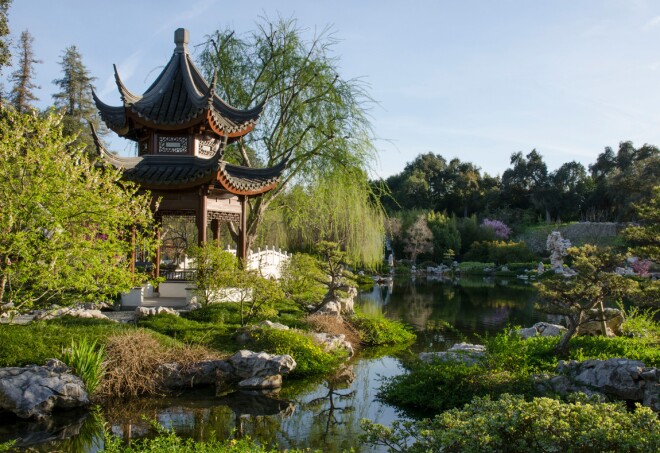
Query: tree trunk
{"points": [[3, 283], [563, 346]]}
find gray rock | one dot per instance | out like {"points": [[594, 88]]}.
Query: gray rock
{"points": [[249, 364], [592, 326], [272, 325], [613, 378], [467, 353], [208, 372], [71, 311], [143, 312], [34, 391], [261, 383], [332, 342], [542, 329]]}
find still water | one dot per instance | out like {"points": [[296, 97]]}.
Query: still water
{"points": [[318, 414]]}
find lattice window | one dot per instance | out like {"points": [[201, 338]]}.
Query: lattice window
{"points": [[223, 216], [172, 145], [207, 147]]}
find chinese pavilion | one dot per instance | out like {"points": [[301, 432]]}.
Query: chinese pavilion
{"points": [[181, 127]]}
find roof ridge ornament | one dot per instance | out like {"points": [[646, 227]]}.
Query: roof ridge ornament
{"points": [[181, 39]]}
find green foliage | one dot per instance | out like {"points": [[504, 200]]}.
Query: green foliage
{"points": [[86, 360], [507, 367], [341, 208], [65, 222], [5, 53], [499, 252], [445, 234], [640, 323], [35, 343], [474, 268], [644, 239], [168, 441], [310, 358], [219, 279], [313, 115], [217, 272], [380, 331], [185, 330], [302, 280], [22, 92], [513, 424], [593, 285]]}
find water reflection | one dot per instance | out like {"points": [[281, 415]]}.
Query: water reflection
{"points": [[448, 311], [319, 414]]}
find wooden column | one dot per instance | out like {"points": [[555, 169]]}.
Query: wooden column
{"points": [[133, 251], [241, 250], [201, 217], [157, 263], [215, 228]]}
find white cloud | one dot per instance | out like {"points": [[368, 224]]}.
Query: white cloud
{"points": [[651, 24]]}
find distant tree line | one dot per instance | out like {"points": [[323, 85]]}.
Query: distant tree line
{"points": [[455, 197]]}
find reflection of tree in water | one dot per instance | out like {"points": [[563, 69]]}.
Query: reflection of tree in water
{"points": [[328, 409]]}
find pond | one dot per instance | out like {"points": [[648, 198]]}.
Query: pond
{"points": [[318, 414]]}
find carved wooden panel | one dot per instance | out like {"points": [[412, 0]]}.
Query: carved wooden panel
{"points": [[173, 145], [223, 216]]}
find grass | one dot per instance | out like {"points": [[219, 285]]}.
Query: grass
{"points": [[380, 331]]}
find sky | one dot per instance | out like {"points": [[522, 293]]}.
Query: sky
{"points": [[473, 79]]}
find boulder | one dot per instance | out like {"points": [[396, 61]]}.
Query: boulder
{"points": [[261, 383], [34, 391], [622, 379], [249, 364], [460, 352], [70, 311], [143, 312], [207, 372], [331, 342], [330, 308], [245, 334], [541, 329], [272, 325], [592, 326]]}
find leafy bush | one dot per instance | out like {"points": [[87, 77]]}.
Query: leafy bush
{"points": [[310, 358], [514, 425], [440, 386], [507, 368], [168, 441], [380, 331], [85, 358], [445, 233], [499, 252], [474, 268]]}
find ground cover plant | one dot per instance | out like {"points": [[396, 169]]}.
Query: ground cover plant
{"points": [[514, 424], [509, 365]]}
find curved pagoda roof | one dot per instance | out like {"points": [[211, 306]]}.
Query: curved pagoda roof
{"points": [[179, 98], [171, 172]]}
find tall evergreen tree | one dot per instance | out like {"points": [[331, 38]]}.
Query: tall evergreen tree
{"points": [[75, 97], [22, 94], [5, 54]]}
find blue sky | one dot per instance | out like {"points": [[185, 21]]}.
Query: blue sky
{"points": [[473, 79]]}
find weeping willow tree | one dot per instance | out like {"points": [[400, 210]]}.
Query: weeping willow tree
{"points": [[337, 207], [314, 118]]}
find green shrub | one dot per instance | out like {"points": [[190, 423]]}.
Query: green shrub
{"points": [[310, 358], [380, 331], [168, 441], [474, 268], [513, 424], [86, 358], [499, 252], [440, 386]]}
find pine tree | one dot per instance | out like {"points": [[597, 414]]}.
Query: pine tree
{"points": [[75, 98], [5, 54], [22, 94]]}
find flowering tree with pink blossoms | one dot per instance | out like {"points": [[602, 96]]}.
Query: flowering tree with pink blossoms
{"points": [[500, 229]]}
